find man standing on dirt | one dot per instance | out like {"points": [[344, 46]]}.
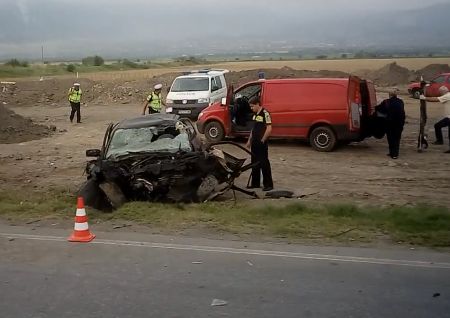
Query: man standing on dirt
{"points": [[445, 122], [394, 109], [75, 100], [154, 101], [257, 142]]}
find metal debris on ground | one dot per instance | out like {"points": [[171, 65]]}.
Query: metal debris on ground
{"points": [[344, 232], [219, 302], [33, 221], [121, 226], [277, 194]]}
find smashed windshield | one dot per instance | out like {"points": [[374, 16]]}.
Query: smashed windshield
{"points": [[194, 84], [126, 141]]}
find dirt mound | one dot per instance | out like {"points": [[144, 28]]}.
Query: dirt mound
{"points": [[241, 77], [136, 91], [53, 91], [431, 71], [15, 128], [390, 75], [48, 91]]}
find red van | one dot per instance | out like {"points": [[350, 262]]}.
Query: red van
{"points": [[321, 110]]}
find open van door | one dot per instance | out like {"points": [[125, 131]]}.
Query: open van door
{"points": [[368, 98], [228, 109], [371, 125], [354, 100], [230, 93]]}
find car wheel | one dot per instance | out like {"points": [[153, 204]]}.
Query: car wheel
{"points": [[323, 139], [416, 94], [214, 131], [94, 197]]}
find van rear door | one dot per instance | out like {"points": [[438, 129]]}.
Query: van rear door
{"points": [[368, 98], [355, 108], [368, 104]]}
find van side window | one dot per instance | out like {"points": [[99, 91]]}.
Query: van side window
{"points": [[249, 91], [218, 82], [213, 84]]}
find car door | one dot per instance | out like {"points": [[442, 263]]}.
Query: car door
{"points": [[240, 106]]}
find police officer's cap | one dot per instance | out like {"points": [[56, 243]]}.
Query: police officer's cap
{"points": [[158, 86]]}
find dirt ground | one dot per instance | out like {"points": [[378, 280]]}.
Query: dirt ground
{"points": [[358, 173]]}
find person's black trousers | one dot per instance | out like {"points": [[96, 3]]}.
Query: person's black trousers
{"points": [[260, 153], [438, 129], [152, 111], [394, 134], [75, 109]]}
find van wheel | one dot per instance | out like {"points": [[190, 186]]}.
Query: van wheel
{"points": [[323, 139], [214, 131]]}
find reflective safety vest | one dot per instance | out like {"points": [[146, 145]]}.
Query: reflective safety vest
{"points": [[74, 95], [155, 101]]}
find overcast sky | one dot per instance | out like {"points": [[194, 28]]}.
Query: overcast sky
{"points": [[139, 27]]}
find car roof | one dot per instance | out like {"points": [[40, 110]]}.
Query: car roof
{"points": [[203, 73], [196, 75], [324, 80], [150, 120]]}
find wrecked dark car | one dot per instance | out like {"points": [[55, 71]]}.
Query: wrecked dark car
{"points": [[158, 157]]}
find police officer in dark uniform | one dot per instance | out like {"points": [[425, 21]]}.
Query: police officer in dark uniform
{"points": [[394, 110], [257, 142]]}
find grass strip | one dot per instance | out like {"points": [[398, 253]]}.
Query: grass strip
{"points": [[422, 224]]}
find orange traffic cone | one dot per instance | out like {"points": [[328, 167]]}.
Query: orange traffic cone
{"points": [[81, 230]]}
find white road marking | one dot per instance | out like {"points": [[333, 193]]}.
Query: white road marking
{"points": [[230, 250]]}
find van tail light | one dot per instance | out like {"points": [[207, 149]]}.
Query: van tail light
{"points": [[355, 110], [357, 97]]}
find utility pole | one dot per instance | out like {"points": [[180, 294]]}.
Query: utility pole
{"points": [[41, 78]]}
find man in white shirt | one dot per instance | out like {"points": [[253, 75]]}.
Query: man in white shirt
{"points": [[445, 122]]}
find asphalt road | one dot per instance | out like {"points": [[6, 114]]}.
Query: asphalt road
{"points": [[135, 275]]}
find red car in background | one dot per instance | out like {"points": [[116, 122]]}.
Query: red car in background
{"points": [[432, 90]]}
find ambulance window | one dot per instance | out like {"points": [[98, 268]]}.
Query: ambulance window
{"points": [[213, 84], [218, 82]]}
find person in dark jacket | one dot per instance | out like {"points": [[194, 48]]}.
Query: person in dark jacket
{"points": [[394, 110], [257, 142]]}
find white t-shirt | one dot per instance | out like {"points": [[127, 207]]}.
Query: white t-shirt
{"points": [[445, 99]]}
